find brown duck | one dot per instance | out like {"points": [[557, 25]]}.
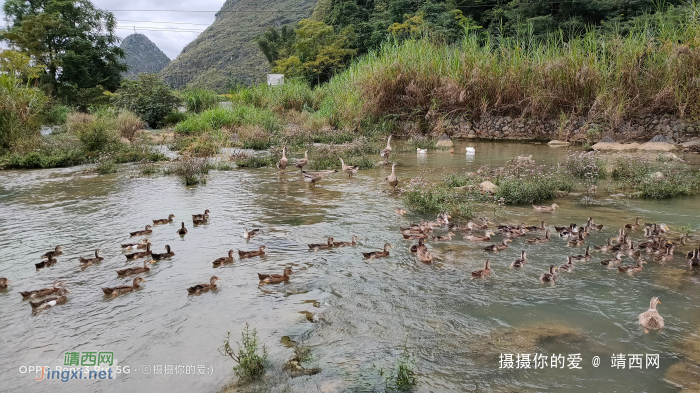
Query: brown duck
{"points": [[251, 254], [613, 262], [49, 261], [485, 272], [182, 231], [200, 216], [276, 278], [424, 255], [147, 231], [637, 267], [550, 276], [3, 283], [123, 289], [378, 254], [96, 259], [584, 257], [140, 254], [56, 252], [539, 240], [352, 242], [498, 247], [44, 291], [164, 220], [224, 260], [50, 301], [140, 245], [199, 288], [520, 262], [322, 246], [135, 270], [282, 163], [168, 254], [415, 247]]}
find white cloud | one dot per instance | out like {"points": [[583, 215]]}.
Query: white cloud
{"points": [[170, 42], [147, 23]]}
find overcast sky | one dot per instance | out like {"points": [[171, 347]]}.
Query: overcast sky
{"points": [[154, 24]]}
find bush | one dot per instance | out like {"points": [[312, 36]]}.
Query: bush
{"points": [[106, 166], [251, 361], [218, 118], [148, 97], [255, 161], [127, 123], [656, 179], [173, 118], [56, 114], [21, 113], [97, 134], [198, 100], [192, 170], [423, 197]]}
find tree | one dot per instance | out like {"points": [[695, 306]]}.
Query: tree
{"points": [[74, 41], [148, 97]]}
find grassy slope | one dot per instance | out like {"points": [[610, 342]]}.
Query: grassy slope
{"points": [[227, 50]]}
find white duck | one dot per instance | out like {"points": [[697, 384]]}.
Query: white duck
{"points": [[471, 151], [421, 151]]}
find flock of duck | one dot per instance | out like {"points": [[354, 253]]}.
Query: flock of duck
{"points": [[654, 243]]}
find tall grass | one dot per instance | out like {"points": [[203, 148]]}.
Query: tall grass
{"points": [[21, 114], [199, 100], [239, 115], [652, 70]]}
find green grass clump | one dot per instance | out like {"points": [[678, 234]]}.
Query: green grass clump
{"points": [[656, 178], [294, 94], [191, 170], [255, 161], [199, 100], [522, 184], [106, 166], [218, 118], [250, 358], [423, 197]]}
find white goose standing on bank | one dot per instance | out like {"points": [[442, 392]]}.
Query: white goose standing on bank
{"points": [[387, 151]]}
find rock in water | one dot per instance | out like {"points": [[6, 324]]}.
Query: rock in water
{"points": [[662, 138], [444, 141], [607, 139], [487, 186]]}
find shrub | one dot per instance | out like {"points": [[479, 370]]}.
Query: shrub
{"points": [[148, 97], [192, 170], [106, 166], [198, 100], [251, 360], [56, 114], [217, 118], [21, 113], [173, 118], [586, 165], [526, 183], [96, 133], [255, 161], [127, 123], [656, 179], [423, 197]]}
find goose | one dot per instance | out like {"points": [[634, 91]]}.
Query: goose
{"points": [[315, 177], [421, 151], [349, 169], [282, 163], [300, 163], [392, 179], [650, 319], [485, 272], [470, 151], [387, 151]]}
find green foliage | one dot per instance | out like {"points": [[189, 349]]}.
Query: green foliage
{"points": [[405, 376], [198, 100], [423, 197], [656, 179], [255, 161], [217, 118], [96, 133], [249, 357], [453, 180], [106, 166], [173, 118], [314, 50], [56, 114], [21, 114], [72, 40], [148, 97], [191, 170], [521, 184]]}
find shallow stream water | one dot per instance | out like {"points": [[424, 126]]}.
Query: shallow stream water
{"points": [[355, 315]]}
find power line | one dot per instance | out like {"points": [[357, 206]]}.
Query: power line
{"points": [[154, 21], [146, 28]]}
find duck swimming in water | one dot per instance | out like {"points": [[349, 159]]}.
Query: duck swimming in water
{"points": [[650, 319]]}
